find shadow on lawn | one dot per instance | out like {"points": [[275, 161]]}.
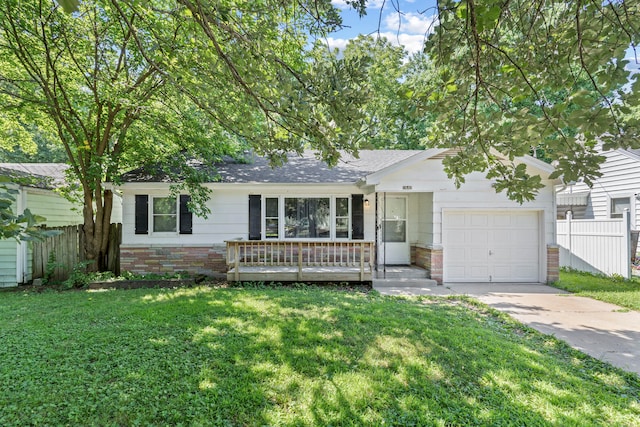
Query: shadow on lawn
{"points": [[304, 357]]}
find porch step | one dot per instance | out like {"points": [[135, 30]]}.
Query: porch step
{"points": [[401, 272], [403, 283]]}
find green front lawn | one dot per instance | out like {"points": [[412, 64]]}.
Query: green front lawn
{"points": [[625, 293], [215, 356]]}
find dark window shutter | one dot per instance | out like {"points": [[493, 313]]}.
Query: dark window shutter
{"points": [[142, 214], [186, 217], [357, 217], [255, 217]]}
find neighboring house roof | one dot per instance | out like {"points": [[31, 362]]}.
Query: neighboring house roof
{"points": [[573, 198], [303, 169], [39, 175], [634, 151]]}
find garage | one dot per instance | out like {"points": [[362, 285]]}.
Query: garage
{"points": [[491, 246]]}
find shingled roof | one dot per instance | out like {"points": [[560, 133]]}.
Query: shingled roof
{"points": [[304, 169], [39, 175]]}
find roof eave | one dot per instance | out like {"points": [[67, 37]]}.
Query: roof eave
{"points": [[375, 177]]}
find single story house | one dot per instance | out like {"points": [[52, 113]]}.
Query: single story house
{"points": [[386, 207], [616, 190], [36, 184]]}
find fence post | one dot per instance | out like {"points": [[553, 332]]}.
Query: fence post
{"points": [[362, 261], [299, 260], [569, 238], [236, 254], [626, 223]]}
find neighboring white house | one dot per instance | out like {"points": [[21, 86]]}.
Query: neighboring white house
{"points": [[36, 184], [401, 200], [616, 190], [597, 239], [37, 194]]}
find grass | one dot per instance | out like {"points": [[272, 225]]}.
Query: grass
{"points": [[625, 293], [291, 357]]}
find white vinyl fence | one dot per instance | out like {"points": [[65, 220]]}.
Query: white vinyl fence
{"points": [[596, 246]]}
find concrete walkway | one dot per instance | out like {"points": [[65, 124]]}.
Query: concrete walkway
{"points": [[602, 330]]}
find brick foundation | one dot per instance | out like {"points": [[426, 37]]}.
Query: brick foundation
{"points": [[207, 260], [553, 263]]}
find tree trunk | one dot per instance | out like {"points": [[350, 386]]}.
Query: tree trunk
{"points": [[96, 229]]}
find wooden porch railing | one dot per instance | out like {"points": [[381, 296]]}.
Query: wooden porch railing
{"points": [[300, 254]]}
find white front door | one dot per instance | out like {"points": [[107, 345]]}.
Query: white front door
{"points": [[395, 242], [491, 246]]}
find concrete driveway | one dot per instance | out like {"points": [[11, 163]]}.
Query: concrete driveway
{"points": [[604, 331]]}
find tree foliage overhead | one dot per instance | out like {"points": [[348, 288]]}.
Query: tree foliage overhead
{"points": [[384, 71], [517, 74], [124, 83]]}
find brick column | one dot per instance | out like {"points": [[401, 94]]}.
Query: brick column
{"points": [[553, 263], [436, 267]]}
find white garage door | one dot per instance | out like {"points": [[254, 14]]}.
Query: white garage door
{"points": [[491, 246]]}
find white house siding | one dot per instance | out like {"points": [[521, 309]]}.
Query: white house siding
{"points": [[620, 178], [8, 259], [425, 219], [228, 220], [476, 193], [57, 210], [229, 217], [413, 215]]}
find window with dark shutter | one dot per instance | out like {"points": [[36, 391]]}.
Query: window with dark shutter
{"points": [[186, 216], [255, 217], [142, 214], [357, 217]]}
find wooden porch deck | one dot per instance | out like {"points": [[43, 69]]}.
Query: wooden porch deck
{"points": [[290, 261]]}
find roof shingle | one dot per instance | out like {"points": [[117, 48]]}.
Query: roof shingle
{"points": [[305, 169], [43, 175]]}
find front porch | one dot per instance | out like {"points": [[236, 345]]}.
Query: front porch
{"points": [[290, 261]]}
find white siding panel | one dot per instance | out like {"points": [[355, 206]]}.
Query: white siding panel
{"points": [[56, 209], [620, 178], [8, 258], [413, 225]]}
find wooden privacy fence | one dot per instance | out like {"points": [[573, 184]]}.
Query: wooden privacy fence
{"points": [[596, 246], [64, 252]]}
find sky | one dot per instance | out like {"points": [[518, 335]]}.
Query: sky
{"points": [[402, 22], [408, 28]]}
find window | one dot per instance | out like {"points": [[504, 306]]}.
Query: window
{"points": [[395, 220], [307, 217], [165, 218], [281, 217], [342, 217], [618, 205], [271, 215], [166, 214]]}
